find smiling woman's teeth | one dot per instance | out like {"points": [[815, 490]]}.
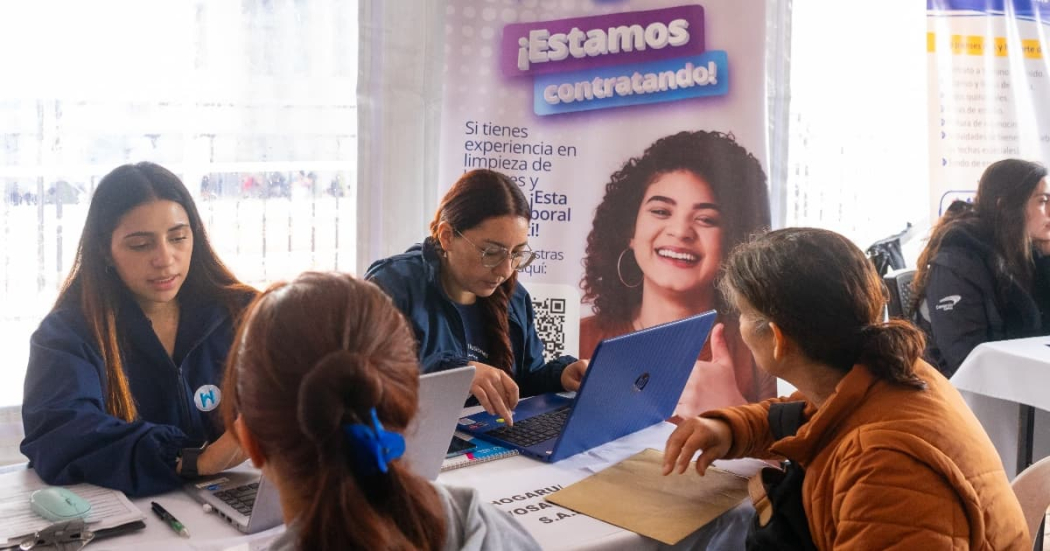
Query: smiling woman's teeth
{"points": [[676, 256]]}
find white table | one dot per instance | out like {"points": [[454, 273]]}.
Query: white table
{"points": [[513, 484], [1003, 382], [517, 484], [208, 532]]}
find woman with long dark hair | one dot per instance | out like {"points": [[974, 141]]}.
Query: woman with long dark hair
{"points": [[123, 373], [459, 290], [985, 272], [656, 247], [892, 456], [321, 387]]}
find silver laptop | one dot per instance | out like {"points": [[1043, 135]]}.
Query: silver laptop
{"points": [[244, 498], [441, 398], [251, 502]]}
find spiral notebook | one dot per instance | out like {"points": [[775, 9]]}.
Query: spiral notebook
{"points": [[484, 452]]}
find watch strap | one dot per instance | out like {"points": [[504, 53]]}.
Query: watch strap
{"points": [[189, 458]]}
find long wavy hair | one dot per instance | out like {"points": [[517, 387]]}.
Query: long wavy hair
{"points": [[476, 197], [823, 293], [97, 289], [999, 211], [314, 355], [736, 179]]}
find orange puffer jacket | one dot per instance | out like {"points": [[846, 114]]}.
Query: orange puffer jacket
{"points": [[890, 467]]}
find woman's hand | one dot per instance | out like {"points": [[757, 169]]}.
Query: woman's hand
{"points": [[495, 390], [711, 436], [712, 384], [220, 455], [572, 376]]}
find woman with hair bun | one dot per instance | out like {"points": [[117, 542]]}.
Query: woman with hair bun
{"points": [[893, 458], [321, 386]]}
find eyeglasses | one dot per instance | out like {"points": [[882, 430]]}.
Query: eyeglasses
{"points": [[494, 255]]}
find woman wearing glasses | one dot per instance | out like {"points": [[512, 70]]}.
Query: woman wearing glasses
{"points": [[459, 290]]}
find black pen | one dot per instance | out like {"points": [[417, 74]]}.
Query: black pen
{"points": [[172, 521]]}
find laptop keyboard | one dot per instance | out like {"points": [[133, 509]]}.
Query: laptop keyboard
{"points": [[534, 429], [241, 498]]}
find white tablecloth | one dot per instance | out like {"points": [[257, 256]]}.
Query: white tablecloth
{"points": [[512, 484], [516, 485], [1015, 370], [995, 378], [208, 532]]}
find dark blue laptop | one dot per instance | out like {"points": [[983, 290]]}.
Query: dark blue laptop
{"points": [[633, 382]]}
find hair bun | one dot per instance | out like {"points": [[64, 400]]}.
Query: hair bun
{"points": [[874, 335], [338, 381], [871, 330]]}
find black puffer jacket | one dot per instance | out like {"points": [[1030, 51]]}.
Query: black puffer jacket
{"points": [[969, 299]]}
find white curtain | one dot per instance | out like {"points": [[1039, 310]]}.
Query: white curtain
{"points": [[399, 107], [857, 144]]}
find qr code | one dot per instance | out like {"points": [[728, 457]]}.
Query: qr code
{"points": [[550, 326]]}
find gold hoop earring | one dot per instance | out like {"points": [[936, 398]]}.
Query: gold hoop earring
{"points": [[619, 272]]}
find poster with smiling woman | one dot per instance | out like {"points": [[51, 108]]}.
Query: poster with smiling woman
{"points": [[637, 131], [668, 217]]}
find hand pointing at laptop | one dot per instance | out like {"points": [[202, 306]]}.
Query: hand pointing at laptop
{"points": [[497, 392]]}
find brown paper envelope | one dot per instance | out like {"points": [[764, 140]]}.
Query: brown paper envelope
{"points": [[634, 495]]}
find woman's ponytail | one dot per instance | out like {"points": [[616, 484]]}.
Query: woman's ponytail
{"points": [[364, 497], [326, 380], [890, 350], [495, 310]]}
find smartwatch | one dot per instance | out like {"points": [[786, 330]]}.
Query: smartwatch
{"points": [[189, 458]]}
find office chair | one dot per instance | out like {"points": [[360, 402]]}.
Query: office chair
{"points": [[898, 282], [886, 253], [1032, 488]]}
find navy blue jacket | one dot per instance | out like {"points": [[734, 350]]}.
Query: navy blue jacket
{"points": [[412, 279], [70, 437], [967, 301]]}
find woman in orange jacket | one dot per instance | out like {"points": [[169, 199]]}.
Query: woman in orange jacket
{"points": [[893, 458]]}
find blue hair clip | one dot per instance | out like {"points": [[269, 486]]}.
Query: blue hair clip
{"points": [[374, 447]]}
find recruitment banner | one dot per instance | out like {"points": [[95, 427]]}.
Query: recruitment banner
{"points": [[637, 131], [989, 90]]}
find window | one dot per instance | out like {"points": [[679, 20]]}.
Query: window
{"points": [[252, 104], [857, 161]]}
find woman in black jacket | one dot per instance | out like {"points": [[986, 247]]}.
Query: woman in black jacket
{"points": [[985, 273]]}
